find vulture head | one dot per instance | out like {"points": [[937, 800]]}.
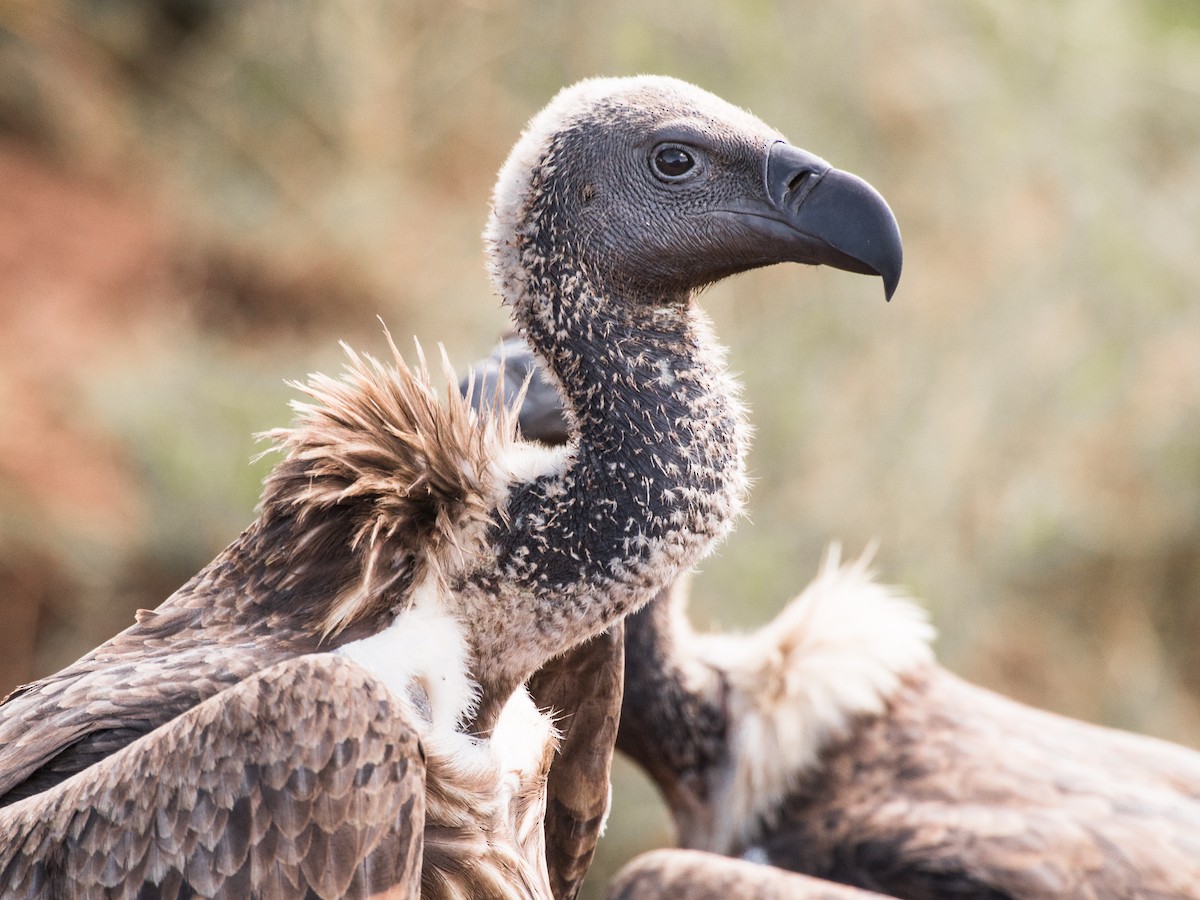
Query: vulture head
{"points": [[621, 199], [651, 188]]}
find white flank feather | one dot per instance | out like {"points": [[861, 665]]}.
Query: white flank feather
{"points": [[836, 652]]}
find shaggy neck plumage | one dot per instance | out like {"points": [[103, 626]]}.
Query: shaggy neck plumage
{"points": [[775, 699], [657, 475]]}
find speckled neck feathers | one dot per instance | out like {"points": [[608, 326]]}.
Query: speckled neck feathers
{"points": [[657, 471]]}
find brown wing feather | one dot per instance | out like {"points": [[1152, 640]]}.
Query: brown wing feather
{"points": [[706, 876], [139, 680], [411, 466], [957, 791], [375, 484], [303, 778], [583, 689]]}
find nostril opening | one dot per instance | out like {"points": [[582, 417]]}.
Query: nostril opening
{"points": [[798, 180]]}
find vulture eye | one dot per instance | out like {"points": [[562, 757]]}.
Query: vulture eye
{"points": [[672, 162]]}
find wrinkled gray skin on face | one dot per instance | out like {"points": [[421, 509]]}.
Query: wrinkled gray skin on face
{"points": [[648, 234], [744, 198]]}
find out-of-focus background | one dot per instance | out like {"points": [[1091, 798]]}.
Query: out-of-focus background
{"points": [[199, 198]]}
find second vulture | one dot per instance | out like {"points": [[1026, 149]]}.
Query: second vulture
{"points": [[831, 743]]}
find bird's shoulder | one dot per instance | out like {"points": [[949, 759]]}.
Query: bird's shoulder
{"points": [[141, 678], [306, 775]]}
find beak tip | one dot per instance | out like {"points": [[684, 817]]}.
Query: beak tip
{"points": [[888, 260], [837, 218], [890, 282]]}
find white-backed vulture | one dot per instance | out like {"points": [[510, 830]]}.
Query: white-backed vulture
{"points": [[830, 743], [444, 559]]}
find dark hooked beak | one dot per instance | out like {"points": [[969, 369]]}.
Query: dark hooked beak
{"points": [[837, 219]]}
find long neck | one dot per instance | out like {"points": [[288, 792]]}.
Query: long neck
{"points": [[674, 720], [656, 477], [660, 443]]}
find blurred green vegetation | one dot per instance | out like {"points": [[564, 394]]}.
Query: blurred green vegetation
{"points": [[197, 199]]}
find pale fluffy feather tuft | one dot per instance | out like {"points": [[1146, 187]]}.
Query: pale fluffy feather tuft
{"points": [[402, 473], [837, 651]]}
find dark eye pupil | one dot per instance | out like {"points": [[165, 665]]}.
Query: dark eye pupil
{"points": [[673, 161]]}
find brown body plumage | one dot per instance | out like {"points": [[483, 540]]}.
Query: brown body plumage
{"points": [[337, 530], [207, 803], [423, 545], [900, 777], [831, 743]]}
